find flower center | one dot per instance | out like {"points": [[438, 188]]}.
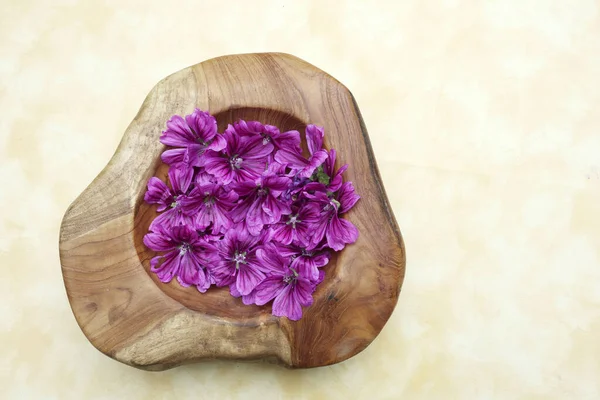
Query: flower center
{"points": [[307, 253], [266, 139], [209, 201], [293, 220], [184, 248], [174, 203], [263, 191], [236, 162], [333, 203], [239, 258], [290, 279]]}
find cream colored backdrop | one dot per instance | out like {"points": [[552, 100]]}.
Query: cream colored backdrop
{"points": [[484, 119]]}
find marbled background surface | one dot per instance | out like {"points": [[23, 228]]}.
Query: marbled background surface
{"points": [[483, 117]]}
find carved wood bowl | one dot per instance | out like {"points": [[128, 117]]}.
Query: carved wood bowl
{"points": [[129, 315]]}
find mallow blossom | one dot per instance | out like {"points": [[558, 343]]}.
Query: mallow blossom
{"points": [[243, 158], [261, 204], [298, 226], [247, 210], [336, 230], [169, 199], [269, 134], [186, 255], [210, 204], [290, 289], [304, 167], [238, 266], [191, 136]]}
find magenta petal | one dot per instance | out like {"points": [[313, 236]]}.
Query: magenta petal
{"points": [[171, 217], [247, 279], [292, 159], [347, 197], [274, 208], [340, 232], [305, 268], [315, 161], [158, 242], [320, 260], [233, 290], [202, 124], [158, 193], [188, 270], [256, 152], [302, 234], [256, 218], [319, 228], [249, 299], [194, 155], [278, 183], [314, 138], [249, 128], [174, 156], [180, 179], [289, 140], [283, 233], [203, 177], [218, 143], [177, 134], [304, 289], [223, 273], [154, 261], [204, 281], [240, 212], [219, 167], [251, 169], [286, 304], [268, 289], [221, 221], [271, 260], [169, 268], [244, 188]]}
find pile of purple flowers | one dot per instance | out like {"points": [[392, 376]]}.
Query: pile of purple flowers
{"points": [[246, 209]]}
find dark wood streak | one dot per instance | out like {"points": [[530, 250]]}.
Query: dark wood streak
{"points": [[129, 315]]}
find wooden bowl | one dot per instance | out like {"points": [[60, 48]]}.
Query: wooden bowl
{"points": [[127, 314]]}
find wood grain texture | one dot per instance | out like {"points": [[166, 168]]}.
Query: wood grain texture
{"points": [[129, 315]]}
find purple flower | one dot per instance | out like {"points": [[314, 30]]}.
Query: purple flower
{"points": [[238, 265], [159, 193], [305, 260], [261, 205], [297, 227], [326, 178], [269, 134], [242, 159], [290, 288], [246, 209], [203, 177], [294, 160], [187, 256], [169, 199], [336, 230], [210, 203], [197, 129], [335, 177], [194, 135]]}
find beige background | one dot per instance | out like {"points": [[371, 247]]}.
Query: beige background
{"points": [[483, 117]]}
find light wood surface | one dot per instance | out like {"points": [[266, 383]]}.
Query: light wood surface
{"points": [[129, 315]]}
